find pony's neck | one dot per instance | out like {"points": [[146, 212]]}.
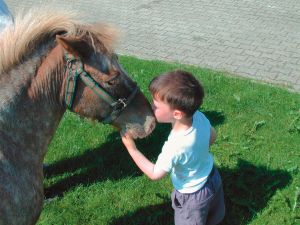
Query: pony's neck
{"points": [[32, 114]]}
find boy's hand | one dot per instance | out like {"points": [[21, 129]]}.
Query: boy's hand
{"points": [[128, 141]]}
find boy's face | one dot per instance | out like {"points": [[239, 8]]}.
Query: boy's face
{"points": [[162, 111]]}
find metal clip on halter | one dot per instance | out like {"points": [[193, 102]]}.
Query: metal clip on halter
{"points": [[120, 104]]}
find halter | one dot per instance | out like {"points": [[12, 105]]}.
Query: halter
{"points": [[75, 69]]}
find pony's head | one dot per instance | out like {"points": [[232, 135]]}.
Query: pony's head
{"points": [[89, 79], [97, 87]]}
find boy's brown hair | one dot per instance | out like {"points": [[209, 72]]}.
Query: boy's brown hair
{"points": [[180, 89]]}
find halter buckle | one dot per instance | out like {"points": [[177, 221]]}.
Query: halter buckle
{"points": [[120, 104]]}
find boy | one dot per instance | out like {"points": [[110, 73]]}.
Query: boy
{"points": [[198, 194]]}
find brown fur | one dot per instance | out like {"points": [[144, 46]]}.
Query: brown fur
{"points": [[32, 87]]}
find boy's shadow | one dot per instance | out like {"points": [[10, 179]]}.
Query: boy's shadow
{"points": [[247, 190]]}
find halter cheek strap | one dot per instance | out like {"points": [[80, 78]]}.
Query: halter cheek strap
{"points": [[75, 70]]}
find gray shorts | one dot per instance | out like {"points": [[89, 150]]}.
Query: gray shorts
{"points": [[203, 207]]}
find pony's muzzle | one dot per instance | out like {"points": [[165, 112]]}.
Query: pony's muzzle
{"points": [[137, 131]]}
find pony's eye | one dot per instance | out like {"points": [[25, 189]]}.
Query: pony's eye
{"points": [[113, 79], [110, 82]]}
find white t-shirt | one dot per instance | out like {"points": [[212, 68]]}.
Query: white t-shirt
{"points": [[186, 155]]}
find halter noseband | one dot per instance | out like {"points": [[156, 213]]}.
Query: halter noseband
{"points": [[75, 69]]}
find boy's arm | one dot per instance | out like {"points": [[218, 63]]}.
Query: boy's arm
{"points": [[145, 165], [213, 136]]}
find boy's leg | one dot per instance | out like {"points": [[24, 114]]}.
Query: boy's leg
{"points": [[217, 206], [192, 209], [185, 213], [205, 206]]}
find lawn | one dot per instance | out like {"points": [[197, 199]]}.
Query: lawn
{"points": [[92, 180]]}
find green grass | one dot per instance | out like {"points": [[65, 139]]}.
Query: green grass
{"points": [[92, 180]]}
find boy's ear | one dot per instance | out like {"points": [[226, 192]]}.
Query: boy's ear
{"points": [[177, 114]]}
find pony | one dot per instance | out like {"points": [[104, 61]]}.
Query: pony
{"points": [[50, 62]]}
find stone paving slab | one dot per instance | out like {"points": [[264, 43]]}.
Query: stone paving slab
{"points": [[250, 38]]}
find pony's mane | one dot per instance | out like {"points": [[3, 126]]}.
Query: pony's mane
{"points": [[23, 36]]}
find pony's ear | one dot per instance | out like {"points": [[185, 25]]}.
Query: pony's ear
{"points": [[73, 45]]}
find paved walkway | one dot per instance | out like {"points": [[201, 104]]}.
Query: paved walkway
{"points": [[259, 39]]}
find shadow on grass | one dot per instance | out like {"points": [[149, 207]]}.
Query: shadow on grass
{"points": [[109, 161], [161, 214], [247, 189], [216, 118]]}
